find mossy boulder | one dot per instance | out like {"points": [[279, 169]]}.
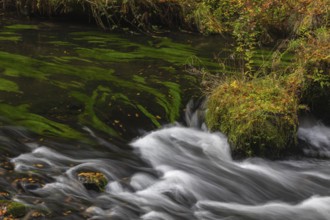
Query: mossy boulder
{"points": [[258, 116], [95, 181], [12, 209]]}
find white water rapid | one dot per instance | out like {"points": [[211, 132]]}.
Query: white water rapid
{"points": [[188, 174]]}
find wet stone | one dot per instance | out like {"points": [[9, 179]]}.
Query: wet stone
{"points": [[28, 183], [4, 195], [6, 165], [95, 181], [11, 209]]}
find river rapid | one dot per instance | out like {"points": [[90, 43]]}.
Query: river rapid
{"points": [[75, 100], [177, 172]]}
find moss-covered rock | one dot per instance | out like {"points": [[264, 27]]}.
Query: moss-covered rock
{"points": [[259, 116], [12, 209], [95, 181]]}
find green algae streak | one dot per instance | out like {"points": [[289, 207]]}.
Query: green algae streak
{"points": [[21, 116], [8, 86]]}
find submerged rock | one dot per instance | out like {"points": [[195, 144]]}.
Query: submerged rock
{"points": [[12, 209], [28, 183], [95, 181]]}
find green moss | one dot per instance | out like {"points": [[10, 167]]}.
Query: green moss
{"points": [[259, 116], [16, 209], [13, 209], [93, 180]]}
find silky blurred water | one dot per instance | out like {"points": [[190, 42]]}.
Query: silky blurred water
{"points": [[177, 172]]}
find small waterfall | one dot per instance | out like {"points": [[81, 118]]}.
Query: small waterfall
{"points": [[316, 137]]}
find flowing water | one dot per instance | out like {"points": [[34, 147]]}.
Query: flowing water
{"points": [[76, 100]]}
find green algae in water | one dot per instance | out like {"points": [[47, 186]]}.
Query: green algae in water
{"points": [[177, 56], [25, 66], [172, 55], [169, 104], [10, 38], [8, 86], [89, 117], [163, 49], [18, 65], [124, 100], [101, 38], [6, 33], [22, 27], [62, 43], [21, 116], [68, 85], [175, 95], [149, 115], [85, 73], [139, 79], [169, 69], [72, 74], [66, 59], [108, 55]]}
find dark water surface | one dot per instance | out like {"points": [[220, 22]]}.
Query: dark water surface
{"points": [[74, 99], [62, 77]]}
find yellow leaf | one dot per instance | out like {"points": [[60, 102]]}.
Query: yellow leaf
{"points": [[234, 84]]}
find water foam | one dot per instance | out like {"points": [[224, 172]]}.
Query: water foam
{"points": [[189, 175], [317, 137]]}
